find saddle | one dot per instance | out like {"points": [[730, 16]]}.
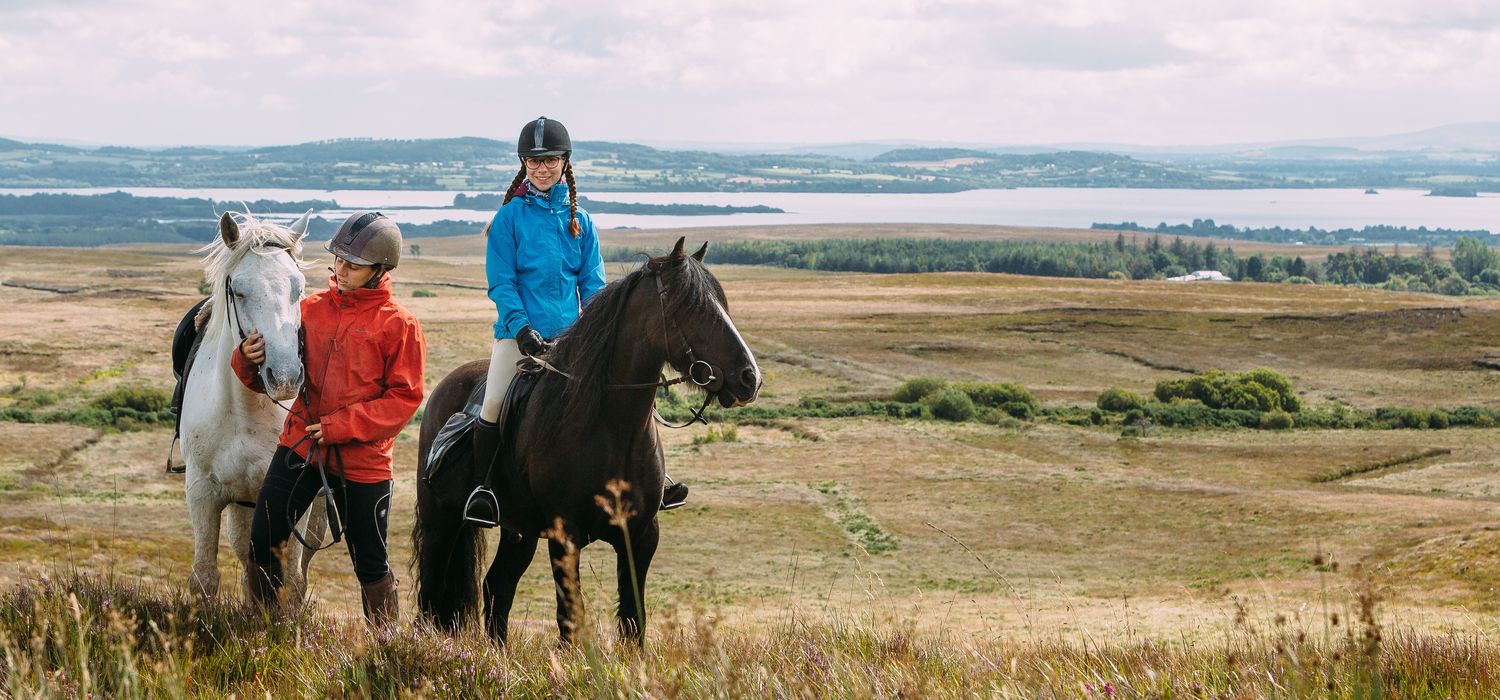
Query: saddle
{"points": [[185, 341], [453, 446]]}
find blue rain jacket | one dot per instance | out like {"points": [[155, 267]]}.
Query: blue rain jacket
{"points": [[539, 274]]}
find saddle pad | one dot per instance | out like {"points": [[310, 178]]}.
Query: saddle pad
{"points": [[452, 445], [185, 339]]}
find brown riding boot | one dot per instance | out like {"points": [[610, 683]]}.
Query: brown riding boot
{"points": [[379, 598], [263, 589]]}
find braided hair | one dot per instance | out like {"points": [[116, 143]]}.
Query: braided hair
{"points": [[573, 226], [510, 192]]}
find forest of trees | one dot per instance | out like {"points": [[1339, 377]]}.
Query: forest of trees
{"points": [[1475, 266], [1206, 228], [118, 217]]}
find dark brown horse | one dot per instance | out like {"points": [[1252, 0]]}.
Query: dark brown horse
{"points": [[583, 435]]}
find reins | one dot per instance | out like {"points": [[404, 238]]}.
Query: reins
{"points": [[314, 458], [691, 375]]}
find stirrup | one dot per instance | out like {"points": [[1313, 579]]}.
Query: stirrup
{"points": [[674, 495], [179, 468], [477, 499]]}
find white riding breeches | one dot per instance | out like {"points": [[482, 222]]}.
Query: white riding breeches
{"points": [[503, 359]]}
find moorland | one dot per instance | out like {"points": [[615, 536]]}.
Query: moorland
{"points": [[972, 554]]}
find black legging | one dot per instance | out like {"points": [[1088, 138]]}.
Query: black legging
{"points": [[290, 488]]}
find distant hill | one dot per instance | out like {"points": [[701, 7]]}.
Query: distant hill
{"points": [[902, 155], [482, 164]]}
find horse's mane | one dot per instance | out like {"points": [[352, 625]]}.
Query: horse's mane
{"points": [[256, 237], [586, 349]]}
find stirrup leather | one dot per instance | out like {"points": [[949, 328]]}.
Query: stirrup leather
{"points": [[477, 500]]}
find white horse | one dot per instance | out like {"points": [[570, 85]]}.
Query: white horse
{"points": [[228, 431]]}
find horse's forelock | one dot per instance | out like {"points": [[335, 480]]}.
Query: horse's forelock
{"points": [[257, 237]]}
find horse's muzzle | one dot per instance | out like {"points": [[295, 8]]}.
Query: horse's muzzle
{"points": [[281, 386], [741, 388]]}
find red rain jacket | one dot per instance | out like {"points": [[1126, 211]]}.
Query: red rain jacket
{"points": [[364, 360]]}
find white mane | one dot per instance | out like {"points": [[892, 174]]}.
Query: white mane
{"points": [[257, 237]]}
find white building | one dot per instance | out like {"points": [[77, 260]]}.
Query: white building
{"points": [[1202, 276]]}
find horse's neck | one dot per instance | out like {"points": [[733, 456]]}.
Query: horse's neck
{"points": [[640, 364]]}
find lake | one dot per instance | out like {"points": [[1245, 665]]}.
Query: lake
{"points": [[1063, 207]]}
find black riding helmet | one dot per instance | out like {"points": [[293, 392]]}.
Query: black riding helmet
{"points": [[543, 137]]}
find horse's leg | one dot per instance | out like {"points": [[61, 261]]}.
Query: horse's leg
{"points": [[313, 527], [632, 559], [569, 594], [511, 561], [238, 537], [205, 504]]}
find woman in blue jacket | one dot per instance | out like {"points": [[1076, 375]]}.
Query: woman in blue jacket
{"points": [[543, 264]]}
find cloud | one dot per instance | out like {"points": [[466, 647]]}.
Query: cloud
{"points": [[775, 70]]}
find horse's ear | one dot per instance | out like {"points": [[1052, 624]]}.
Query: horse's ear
{"points": [[676, 253], [229, 230], [701, 252], [299, 226]]}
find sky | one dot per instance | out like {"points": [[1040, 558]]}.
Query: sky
{"points": [[1146, 72]]}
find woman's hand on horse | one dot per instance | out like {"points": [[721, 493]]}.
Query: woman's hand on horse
{"points": [[315, 432], [530, 342], [254, 348]]}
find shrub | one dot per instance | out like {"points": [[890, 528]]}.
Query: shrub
{"points": [[918, 388], [997, 417], [952, 404], [1019, 409], [1477, 416], [996, 395], [1275, 420], [1096, 417], [728, 433], [1453, 286], [1437, 419], [1256, 390], [1117, 400], [1119, 275], [423, 293], [145, 399], [1193, 414], [813, 402]]}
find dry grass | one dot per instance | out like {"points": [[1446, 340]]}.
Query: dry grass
{"points": [[1062, 533]]}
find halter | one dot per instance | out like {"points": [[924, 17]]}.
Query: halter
{"points": [[699, 372]]}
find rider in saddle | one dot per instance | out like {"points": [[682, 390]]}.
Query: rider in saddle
{"points": [[543, 264], [363, 359]]}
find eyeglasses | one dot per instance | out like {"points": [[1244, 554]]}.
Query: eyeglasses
{"points": [[542, 162]]}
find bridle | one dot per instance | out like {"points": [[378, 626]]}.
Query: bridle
{"points": [[314, 458], [699, 372]]}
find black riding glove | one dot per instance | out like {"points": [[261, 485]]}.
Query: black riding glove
{"points": [[531, 343]]}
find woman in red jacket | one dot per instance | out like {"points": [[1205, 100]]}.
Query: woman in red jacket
{"points": [[363, 358]]}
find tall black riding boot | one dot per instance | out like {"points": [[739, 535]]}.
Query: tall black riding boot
{"points": [[673, 495], [482, 509]]}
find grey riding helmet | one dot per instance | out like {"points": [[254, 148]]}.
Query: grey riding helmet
{"points": [[543, 137], [368, 238]]}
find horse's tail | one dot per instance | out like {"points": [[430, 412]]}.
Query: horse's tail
{"points": [[448, 554]]}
